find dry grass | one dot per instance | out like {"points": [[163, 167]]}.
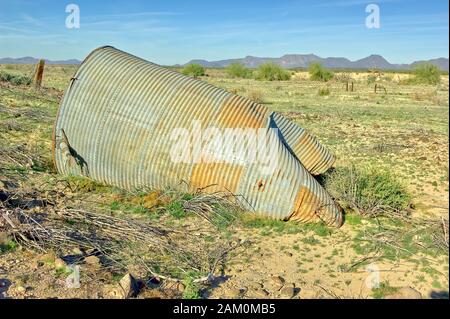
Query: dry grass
{"points": [[256, 96], [122, 241]]}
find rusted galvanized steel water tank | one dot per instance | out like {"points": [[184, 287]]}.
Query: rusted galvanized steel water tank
{"points": [[115, 125]]}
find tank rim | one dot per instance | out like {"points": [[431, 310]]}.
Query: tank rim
{"points": [[62, 100]]}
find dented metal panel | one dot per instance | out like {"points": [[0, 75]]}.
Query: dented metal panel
{"points": [[117, 119]]}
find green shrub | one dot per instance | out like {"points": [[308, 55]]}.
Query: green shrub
{"points": [[318, 73], [426, 73], [272, 72], [191, 290], [383, 290], [5, 77], [7, 246], [14, 79], [194, 70], [237, 70], [368, 191], [20, 80]]}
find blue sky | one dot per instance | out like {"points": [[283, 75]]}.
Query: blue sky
{"points": [[169, 32]]}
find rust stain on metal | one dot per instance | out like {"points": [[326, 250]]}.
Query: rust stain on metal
{"points": [[261, 185], [306, 205], [216, 176], [240, 112]]}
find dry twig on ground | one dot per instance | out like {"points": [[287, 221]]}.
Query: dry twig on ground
{"points": [[121, 241]]}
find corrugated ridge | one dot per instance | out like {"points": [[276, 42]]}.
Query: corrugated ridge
{"points": [[310, 152]]}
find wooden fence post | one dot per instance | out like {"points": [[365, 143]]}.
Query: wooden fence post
{"points": [[39, 73]]}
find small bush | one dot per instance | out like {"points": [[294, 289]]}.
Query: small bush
{"points": [[383, 290], [7, 246], [367, 191], [426, 73], [191, 290], [5, 77], [237, 70], [20, 80], [14, 79], [272, 72], [194, 70], [318, 73], [324, 91]]}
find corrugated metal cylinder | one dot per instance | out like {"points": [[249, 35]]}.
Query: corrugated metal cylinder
{"points": [[308, 150], [115, 122]]}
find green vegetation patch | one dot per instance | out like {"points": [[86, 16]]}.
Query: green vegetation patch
{"points": [[14, 78], [318, 73], [194, 70], [383, 290], [368, 191], [426, 73], [7, 246], [272, 72], [282, 227], [192, 289], [237, 70]]}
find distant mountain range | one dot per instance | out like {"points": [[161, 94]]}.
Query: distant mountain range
{"points": [[31, 60], [288, 61], [304, 60]]}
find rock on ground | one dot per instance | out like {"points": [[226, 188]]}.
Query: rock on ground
{"points": [[130, 286]]}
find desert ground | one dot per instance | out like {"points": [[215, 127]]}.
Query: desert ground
{"points": [[401, 129]]}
